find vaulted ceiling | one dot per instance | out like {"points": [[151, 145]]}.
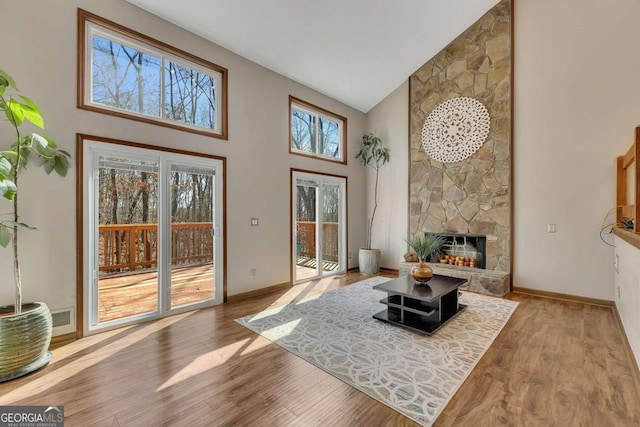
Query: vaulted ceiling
{"points": [[355, 51]]}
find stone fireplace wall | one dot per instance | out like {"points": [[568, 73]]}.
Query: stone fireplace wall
{"points": [[474, 195]]}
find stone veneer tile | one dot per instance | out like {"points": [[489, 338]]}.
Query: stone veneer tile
{"points": [[472, 196], [483, 281]]}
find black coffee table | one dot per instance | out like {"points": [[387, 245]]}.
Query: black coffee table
{"points": [[420, 308]]}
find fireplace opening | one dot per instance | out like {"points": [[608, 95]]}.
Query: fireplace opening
{"points": [[468, 250]]}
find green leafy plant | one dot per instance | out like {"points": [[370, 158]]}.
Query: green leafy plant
{"points": [[18, 109], [375, 155], [425, 245]]}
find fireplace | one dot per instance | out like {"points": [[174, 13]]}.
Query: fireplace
{"points": [[463, 246]]}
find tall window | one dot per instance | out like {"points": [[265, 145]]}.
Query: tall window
{"points": [[127, 74], [316, 132]]}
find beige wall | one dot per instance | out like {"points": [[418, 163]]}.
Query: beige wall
{"points": [[577, 102], [389, 121], [39, 50]]}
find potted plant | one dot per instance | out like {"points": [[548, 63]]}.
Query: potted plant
{"points": [[25, 329], [424, 246], [371, 154]]}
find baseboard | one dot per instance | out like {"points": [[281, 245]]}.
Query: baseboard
{"points": [[259, 292], [63, 338], [630, 355], [566, 297]]}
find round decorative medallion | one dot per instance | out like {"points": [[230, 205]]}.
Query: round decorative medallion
{"points": [[455, 129]]}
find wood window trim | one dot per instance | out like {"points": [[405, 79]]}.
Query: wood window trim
{"points": [[85, 17], [80, 138], [298, 101]]}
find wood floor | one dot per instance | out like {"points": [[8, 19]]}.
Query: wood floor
{"points": [[556, 363]]}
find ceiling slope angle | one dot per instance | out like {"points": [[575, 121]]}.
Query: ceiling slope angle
{"points": [[355, 51]]}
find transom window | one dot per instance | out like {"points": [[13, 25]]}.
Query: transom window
{"points": [[130, 75], [316, 132]]}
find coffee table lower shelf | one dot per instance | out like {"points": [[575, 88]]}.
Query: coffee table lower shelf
{"points": [[425, 324]]}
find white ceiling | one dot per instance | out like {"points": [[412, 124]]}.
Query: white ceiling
{"points": [[355, 51]]}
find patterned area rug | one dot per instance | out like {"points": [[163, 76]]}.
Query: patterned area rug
{"points": [[414, 374]]}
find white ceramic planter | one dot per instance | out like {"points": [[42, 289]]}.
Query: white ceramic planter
{"points": [[369, 261]]}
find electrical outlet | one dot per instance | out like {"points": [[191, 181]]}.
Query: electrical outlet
{"points": [[349, 255], [551, 228], [252, 272], [616, 265], [618, 292]]}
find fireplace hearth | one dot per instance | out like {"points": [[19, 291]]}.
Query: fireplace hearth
{"points": [[480, 279], [466, 246]]}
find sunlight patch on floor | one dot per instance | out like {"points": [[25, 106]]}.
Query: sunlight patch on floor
{"points": [[254, 345], [205, 362], [62, 373], [280, 331], [319, 287]]}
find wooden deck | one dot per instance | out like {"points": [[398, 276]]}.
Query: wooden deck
{"points": [[306, 267], [135, 294]]}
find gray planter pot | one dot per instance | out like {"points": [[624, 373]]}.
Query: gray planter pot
{"points": [[369, 261], [24, 340]]}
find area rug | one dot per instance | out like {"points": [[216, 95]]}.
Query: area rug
{"points": [[412, 373]]}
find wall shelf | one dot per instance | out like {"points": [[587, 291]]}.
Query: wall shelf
{"points": [[628, 236], [628, 208]]}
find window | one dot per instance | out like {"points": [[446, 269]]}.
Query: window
{"points": [[316, 132], [127, 74]]}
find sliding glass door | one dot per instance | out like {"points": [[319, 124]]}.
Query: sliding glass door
{"points": [[153, 233], [319, 227], [126, 236], [192, 233]]}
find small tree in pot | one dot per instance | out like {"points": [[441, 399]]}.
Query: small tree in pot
{"points": [[24, 337], [371, 154]]}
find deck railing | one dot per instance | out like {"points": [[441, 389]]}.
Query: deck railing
{"points": [[129, 247], [307, 240]]}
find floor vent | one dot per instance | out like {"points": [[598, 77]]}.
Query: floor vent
{"points": [[63, 321]]}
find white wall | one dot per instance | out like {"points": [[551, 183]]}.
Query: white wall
{"points": [[627, 280], [39, 50], [389, 120], [577, 103]]}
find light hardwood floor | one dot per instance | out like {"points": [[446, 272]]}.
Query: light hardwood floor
{"points": [[556, 363]]}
